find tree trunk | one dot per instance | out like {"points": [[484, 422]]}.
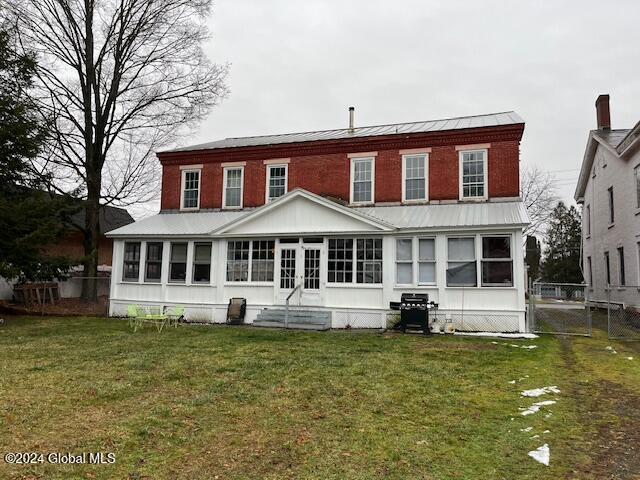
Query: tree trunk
{"points": [[91, 240]]}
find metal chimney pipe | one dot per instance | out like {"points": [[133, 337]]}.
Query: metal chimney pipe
{"points": [[351, 113]]}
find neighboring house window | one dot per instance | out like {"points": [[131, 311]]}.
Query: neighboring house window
{"points": [[202, 262], [623, 277], [276, 181], [178, 262], [406, 261], [497, 264], [369, 260], [190, 189], [612, 213], [238, 261], [153, 268], [340, 260], [232, 193], [414, 172], [607, 266], [473, 174], [636, 172], [590, 268], [366, 253], [262, 260], [362, 180], [588, 220], [461, 267], [131, 266]]}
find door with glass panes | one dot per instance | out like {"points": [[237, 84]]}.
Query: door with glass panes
{"points": [[300, 264]]}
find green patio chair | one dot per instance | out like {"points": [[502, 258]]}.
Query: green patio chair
{"points": [[136, 316], [174, 315]]}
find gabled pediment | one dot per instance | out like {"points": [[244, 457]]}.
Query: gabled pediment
{"points": [[302, 212]]}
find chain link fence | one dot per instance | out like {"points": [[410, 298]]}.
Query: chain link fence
{"points": [[623, 312], [559, 308]]}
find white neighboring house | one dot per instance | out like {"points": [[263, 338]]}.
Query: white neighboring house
{"points": [[431, 207], [609, 191]]}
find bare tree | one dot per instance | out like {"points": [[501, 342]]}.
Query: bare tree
{"points": [[120, 78], [539, 197]]}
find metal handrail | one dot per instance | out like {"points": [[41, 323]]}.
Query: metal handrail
{"points": [[286, 309]]}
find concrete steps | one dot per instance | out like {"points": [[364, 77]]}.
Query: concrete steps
{"points": [[298, 319]]}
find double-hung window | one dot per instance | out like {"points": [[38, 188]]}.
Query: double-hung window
{"points": [[415, 256], [202, 262], [364, 255], [362, 180], [131, 266], [414, 173], [153, 267], [607, 267], [590, 270], [190, 189], [178, 262], [250, 260], [473, 174], [588, 220], [623, 276], [232, 192], [497, 263], [276, 181], [461, 265], [612, 212]]}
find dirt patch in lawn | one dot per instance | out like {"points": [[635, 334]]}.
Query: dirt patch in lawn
{"points": [[615, 413]]}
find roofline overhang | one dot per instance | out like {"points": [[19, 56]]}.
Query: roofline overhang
{"points": [[587, 162], [473, 135], [630, 142]]}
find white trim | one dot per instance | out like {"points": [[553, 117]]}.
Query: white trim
{"points": [[224, 188], [353, 161], [269, 166], [276, 161], [233, 164], [183, 177], [485, 155], [362, 154], [191, 167], [426, 176], [410, 151], [477, 146]]}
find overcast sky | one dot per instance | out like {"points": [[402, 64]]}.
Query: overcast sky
{"points": [[298, 65]]}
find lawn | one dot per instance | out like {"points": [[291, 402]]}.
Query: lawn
{"points": [[227, 403]]}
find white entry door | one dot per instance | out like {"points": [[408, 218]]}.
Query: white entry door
{"points": [[300, 265]]}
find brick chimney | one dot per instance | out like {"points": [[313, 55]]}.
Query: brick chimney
{"points": [[602, 112]]}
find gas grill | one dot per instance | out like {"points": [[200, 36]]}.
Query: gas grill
{"points": [[414, 312]]}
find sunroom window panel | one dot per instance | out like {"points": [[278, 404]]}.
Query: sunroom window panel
{"points": [[497, 264], [178, 262], [426, 261], [369, 260], [262, 261], [461, 267], [340, 264], [131, 265], [202, 263], [153, 269], [404, 261], [238, 261]]}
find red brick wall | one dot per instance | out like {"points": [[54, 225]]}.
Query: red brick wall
{"points": [[328, 174]]}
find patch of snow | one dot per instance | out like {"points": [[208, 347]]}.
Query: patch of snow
{"points": [[528, 429], [497, 335], [541, 454], [536, 407], [512, 382], [547, 431], [534, 437], [536, 392], [529, 347], [611, 349], [629, 358]]}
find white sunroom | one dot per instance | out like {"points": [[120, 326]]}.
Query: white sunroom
{"points": [[326, 257]]}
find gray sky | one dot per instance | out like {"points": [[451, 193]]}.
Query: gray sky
{"points": [[298, 65]]}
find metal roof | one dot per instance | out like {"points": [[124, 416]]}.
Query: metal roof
{"points": [[451, 215], [457, 123], [489, 214], [179, 224]]}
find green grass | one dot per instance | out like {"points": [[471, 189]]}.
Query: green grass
{"points": [[201, 402]]}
